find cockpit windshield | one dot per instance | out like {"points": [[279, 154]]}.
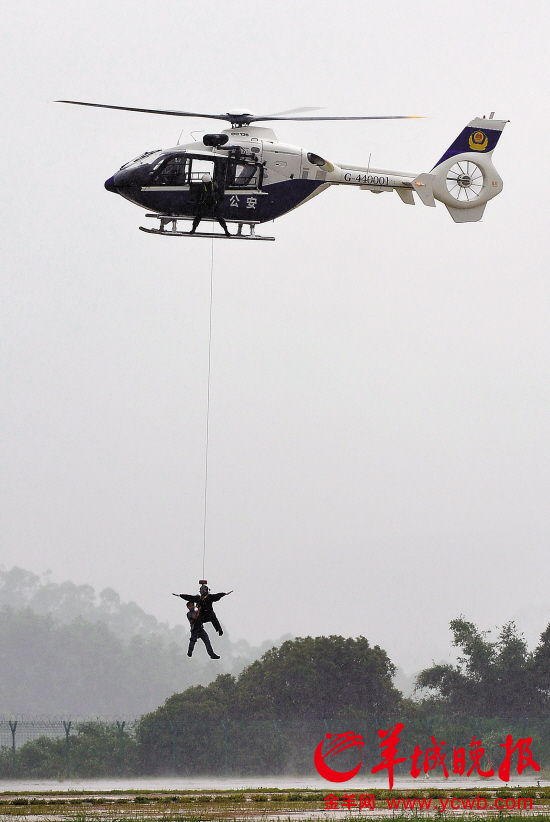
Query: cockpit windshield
{"points": [[147, 156]]}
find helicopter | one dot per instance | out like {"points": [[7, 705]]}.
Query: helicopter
{"points": [[259, 178]]}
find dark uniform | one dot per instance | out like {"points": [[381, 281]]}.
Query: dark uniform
{"points": [[198, 632], [209, 197], [206, 601]]}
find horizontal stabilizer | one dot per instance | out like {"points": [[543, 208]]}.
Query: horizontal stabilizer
{"points": [[406, 195]]}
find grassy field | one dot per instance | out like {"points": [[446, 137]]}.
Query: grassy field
{"points": [[199, 806]]}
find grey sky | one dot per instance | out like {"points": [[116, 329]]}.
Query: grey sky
{"points": [[379, 430]]}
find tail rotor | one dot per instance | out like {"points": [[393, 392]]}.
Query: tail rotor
{"points": [[465, 181]]}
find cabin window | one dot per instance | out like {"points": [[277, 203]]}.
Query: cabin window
{"points": [[244, 175], [200, 167]]}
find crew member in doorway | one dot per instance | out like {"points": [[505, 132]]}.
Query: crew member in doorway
{"points": [[209, 197], [197, 631]]}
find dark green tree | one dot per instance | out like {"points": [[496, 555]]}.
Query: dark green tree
{"points": [[492, 678], [274, 714], [306, 678], [97, 749], [541, 666], [319, 678]]}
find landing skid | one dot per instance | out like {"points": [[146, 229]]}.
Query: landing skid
{"points": [[173, 231]]}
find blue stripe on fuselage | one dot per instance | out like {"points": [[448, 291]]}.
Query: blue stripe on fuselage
{"points": [[274, 201], [283, 197]]}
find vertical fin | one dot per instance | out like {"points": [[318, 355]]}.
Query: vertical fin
{"points": [[480, 137]]}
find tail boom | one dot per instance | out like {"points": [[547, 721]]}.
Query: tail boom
{"points": [[464, 179]]}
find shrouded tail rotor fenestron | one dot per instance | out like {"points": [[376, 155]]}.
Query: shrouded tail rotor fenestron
{"points": [[465, 181]]}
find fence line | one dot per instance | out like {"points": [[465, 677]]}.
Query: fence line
{"points": [[54, 747]]}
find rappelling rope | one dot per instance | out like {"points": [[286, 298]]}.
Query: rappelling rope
{"points": [[208, 408]]}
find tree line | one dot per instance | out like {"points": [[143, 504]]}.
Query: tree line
{"points": [[66, 650], [272, 715], [499, 678]]}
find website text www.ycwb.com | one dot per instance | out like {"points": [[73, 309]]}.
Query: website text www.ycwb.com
{"points": [[455, 803]]}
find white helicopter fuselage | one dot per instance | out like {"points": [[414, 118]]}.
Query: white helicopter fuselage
{"points": [[260, 178], [284, 177]]}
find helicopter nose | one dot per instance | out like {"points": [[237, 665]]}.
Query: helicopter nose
{"points": [[110, 185]]}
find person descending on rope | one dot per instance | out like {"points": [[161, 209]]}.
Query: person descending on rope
{"points": [[209, 198], [205, 599], [197, 631]]}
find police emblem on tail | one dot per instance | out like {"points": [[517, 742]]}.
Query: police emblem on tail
{"points": [[478, 141]]}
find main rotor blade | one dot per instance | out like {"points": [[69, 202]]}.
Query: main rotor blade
{"points": [[244, 118], [150, 110], [295, 111], [385, 117]]}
